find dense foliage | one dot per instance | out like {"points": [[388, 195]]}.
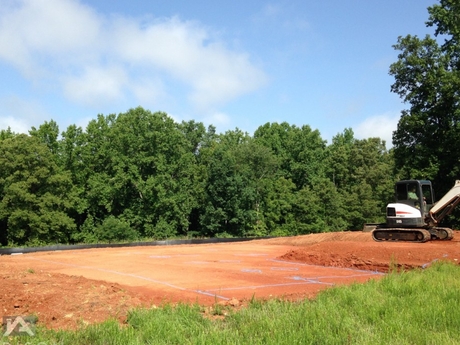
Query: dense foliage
{"points": [[139, 175]]}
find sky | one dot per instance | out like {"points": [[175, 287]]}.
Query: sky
{"points": [[230, 64]]}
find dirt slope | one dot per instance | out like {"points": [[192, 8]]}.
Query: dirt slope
{"points": [[358, 250]]}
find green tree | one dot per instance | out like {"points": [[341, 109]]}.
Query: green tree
{"points": [[226, 209], [202, 142], [301, 151], [89, 158], [71, 148], [362, 172], [427, 77], [114, 230], [142, 170], [48, 134], [258, 166], [35, 194], [279, 203], [6, 133], [239, 172], [195, 134]]}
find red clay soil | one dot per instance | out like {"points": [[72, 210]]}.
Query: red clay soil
{"points": [[358, 250], [69, 289]]}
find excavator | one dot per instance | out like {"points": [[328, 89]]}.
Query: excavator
{"points": [[414, 216]]}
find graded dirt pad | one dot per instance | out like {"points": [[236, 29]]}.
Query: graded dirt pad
{"points": [[67, 289]]}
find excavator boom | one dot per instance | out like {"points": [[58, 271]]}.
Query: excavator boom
{"points": [[445, 206]]}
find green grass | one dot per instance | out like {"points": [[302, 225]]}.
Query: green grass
{"points": [[416, 307]]}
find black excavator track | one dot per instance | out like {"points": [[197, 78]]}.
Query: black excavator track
{"points": [[444, 234], [412, 235], [400, 234]]}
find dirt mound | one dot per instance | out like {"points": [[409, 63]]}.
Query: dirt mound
{"points": [[354, 236], [62, 301], [358, 250], [351, 260]]}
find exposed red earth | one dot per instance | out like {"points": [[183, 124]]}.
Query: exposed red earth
{"points": [[66, 289]]}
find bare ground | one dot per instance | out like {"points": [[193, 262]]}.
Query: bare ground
{"points": [[67, 301]]}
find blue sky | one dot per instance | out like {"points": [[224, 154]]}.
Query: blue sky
{"points": [[232, 64]]}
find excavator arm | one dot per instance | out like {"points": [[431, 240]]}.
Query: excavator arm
{"points": [[445, 206]]}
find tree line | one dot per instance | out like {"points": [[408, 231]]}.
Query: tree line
{"points": [[139, 175]]}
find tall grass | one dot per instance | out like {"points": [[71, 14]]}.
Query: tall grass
{"points": [[416, 307]]}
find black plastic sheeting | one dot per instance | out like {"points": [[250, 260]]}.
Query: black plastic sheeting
{"points": [[23, 250]]}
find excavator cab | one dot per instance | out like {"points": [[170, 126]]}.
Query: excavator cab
{"points": [[414, 198], [415, 193]]}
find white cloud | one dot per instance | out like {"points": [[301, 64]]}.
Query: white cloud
{"points": [[218, 119], [96, 85], [44, 34], [381, 126], [20, 115], [187, 52], [148, 91], [97, 59], [16, 125]]}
